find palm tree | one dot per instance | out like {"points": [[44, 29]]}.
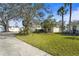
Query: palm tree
{"points": [[70, 7], [61, 11]]}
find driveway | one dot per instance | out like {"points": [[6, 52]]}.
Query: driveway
{"points": [[11, 46]]}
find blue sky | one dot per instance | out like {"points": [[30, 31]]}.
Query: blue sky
{"points": [[55, 6], [16, 22]]}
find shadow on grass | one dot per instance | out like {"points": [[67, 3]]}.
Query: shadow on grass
{"points": [[67, 34], [21, 34], [72, 38]]}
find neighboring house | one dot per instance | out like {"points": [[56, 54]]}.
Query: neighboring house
{"points": [[56, 29], [14, 29], [37, 26], [77, 27], [75, 24], [15, 25], [34, 25]]}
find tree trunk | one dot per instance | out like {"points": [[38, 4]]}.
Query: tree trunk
{"points": [[46, 30], [62, 23], [5, 25], [5, 28], [70, 17]]}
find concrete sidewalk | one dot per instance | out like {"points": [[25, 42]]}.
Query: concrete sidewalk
{"points": [[11, 46]]}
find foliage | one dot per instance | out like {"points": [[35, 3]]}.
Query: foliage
{"points": [[28, 16], [62, 11], [70, 16], [26, 10], [48, 25]]}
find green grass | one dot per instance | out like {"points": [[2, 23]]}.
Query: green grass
{"points": [[54, 44]]}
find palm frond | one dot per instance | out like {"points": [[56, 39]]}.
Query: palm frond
{"points": [[66, 4]]}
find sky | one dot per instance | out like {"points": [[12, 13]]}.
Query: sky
{"points": [[16, 23], [55, 6]]}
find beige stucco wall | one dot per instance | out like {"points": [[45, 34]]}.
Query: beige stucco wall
{"points": [[55, 29], [14, 30]]}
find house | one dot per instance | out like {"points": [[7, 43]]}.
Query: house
{"points": [[14, 29], [56, 29], [15, 25], [35, 25], [74, 24]]}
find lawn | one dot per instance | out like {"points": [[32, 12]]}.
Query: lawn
{"points": [[54, 44]]}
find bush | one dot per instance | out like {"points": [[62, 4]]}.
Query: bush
{"points": [[39, 31]]}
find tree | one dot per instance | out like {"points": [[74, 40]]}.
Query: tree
{"points": [[48, 24], [8, 11], [70, 7], [61, 11], [3, 16], [59, 24], [26, 11], [29, 15]]}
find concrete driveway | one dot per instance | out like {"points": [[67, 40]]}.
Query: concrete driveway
{"points": [[11, 46]]}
